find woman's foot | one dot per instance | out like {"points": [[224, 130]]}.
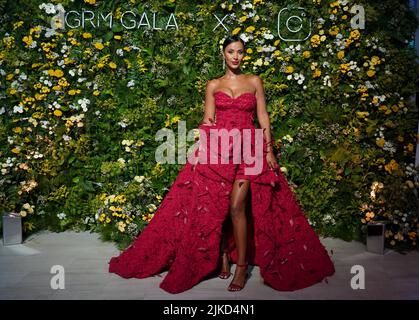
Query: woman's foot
{"points": [[240, 278], [225, 266]]}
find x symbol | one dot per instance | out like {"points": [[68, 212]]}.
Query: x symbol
{"points": [[221, 22]]}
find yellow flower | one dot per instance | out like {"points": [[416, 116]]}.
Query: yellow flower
{"points": [[17, 24], [315, 40], [112, 65], [117, 37], [334, 30], [175, 119], [317, 73], [87, 35], [250, 29], [90, 1], [344, 67], [27, 40], [17, 130], [383, 107], [306, 54], [121, 226], [362, 114], [16, 150], [355, 34], [341, 54], [39, 96], [410, 147], [58, 113], [370, 73], [99, 45], [289, 69], [236, 31], [375, 60], [96, 92], [249, 50], [56, 73], [380, 142], [73, 92]]}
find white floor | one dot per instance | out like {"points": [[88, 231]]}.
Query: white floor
{"points": [[25, 273]]}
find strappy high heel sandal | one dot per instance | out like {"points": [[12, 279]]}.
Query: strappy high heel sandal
{"points": [[225, 274], [237, 287]]}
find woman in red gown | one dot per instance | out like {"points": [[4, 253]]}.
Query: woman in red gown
{"points": [[217, 213]]}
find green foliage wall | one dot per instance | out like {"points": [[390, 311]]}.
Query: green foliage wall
{"points": [[81, 106]]}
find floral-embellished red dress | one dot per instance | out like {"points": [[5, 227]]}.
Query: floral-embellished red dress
{"points": [[185, 233]]}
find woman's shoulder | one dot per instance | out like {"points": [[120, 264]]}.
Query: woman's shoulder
{"points": [[253, 77], [213, 82]]}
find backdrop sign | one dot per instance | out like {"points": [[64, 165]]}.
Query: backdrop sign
{"points": [[293, 23]]}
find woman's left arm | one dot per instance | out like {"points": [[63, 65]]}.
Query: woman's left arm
{"points": [[263, 119]]}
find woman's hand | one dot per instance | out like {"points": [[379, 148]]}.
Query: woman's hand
{"points": [[272, 163], [211, 122]]}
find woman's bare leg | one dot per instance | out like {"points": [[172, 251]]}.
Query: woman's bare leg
{"points": [[225, 266], [238, 218]]}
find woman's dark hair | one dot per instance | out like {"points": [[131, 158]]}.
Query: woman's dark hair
{"points": [[231, 39]]}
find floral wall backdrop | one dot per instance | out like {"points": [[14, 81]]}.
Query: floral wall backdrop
{"points": [[82, 100]]}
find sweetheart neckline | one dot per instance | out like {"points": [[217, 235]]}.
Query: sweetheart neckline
{"points": [[232, 98]]}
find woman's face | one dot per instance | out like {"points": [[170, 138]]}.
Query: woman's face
{"points": [[234, 54]]}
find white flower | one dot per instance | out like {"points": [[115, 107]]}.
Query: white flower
{"points": [[258, 62], [49, 8], [131, 83], [61, 216], [66, 137], [18, 108], [268, 36], [244, 37], [139, 179], [83, 103], [288, 138], [49, 32], [120, 52], [2, 110]]}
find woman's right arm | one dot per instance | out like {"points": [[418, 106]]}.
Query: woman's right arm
{"points": [[209, 103]]}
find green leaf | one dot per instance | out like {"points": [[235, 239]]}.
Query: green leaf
{"points": [[108, 36]]}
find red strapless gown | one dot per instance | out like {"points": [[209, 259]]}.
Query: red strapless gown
{"points": [[184, 235]]}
